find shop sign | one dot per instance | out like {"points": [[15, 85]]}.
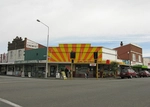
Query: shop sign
{"points": [[92, 64], [30, 61], [107, 61]]}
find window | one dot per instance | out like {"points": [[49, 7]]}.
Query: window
{"points": [[19, 53], [81, 69], [139, 58], [133, 57]]}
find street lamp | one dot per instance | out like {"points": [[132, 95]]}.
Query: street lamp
{"points": [[47, 48]]}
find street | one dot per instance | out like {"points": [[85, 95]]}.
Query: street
{"points": [[33, 92]]}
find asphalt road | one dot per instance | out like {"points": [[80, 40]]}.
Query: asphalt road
{"points": [[30, 92]]}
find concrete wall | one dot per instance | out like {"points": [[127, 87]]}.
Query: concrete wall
{"points": [[15, 55], [146, 61], [109, 54]]}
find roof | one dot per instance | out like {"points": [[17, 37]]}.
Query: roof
{"points": [[129, 44]]}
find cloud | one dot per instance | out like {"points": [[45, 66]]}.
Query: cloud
{"points": [[76, 21]]}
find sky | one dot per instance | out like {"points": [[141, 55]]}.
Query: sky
{"points": [[98, 22]]}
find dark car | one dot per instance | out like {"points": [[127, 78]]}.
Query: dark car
{"points": [[144, 74], [128, 73]]}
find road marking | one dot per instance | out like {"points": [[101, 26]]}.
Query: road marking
{"points": [[9, 103]]}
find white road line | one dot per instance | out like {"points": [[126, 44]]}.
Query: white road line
{"points": [[9, 103]]}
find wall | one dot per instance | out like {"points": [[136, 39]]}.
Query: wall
{"points": [[35, 54], [146, 61], [15, 55], [109, 54], [84, 53], [3, 58], [126, 53]]}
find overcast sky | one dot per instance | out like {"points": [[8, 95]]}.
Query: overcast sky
{"points": [[99, 22]]}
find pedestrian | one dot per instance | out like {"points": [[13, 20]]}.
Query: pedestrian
{"points": [[66, 72], [61, 76], [87, 73]]}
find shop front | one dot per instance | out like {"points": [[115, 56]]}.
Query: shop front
{"points": [[84, 57]]}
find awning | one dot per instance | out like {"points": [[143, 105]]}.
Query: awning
{"points": [[140, 66]]}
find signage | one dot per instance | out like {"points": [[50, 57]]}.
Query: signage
{"points": [[92, 64], [107, 61], [28, 61], [31, 44]]}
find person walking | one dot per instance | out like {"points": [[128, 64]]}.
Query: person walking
{"points": [[66, 72], [87, 73]]}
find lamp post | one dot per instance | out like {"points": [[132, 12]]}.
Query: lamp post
{"points": [[47, 48]]}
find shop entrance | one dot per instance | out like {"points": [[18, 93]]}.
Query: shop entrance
{"points": [[93, 70], [53, 69]]}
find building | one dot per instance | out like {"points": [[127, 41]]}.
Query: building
{"points": [[3, 63], [16, 50], [146, 62], [131, 53], [60, 57], [26, 56]]}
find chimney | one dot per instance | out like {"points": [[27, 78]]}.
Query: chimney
{"points": [[121, 43]]}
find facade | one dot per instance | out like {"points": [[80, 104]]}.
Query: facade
{"points": [[3, 62], [146, 62], [18, 46], [16, 50], [130, 53], [59, 58], [3, 58], [26, 56]]}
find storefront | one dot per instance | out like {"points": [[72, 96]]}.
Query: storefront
{"points": [[83, 59]]}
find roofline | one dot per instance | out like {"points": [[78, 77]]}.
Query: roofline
{"points": [[129, 44]]}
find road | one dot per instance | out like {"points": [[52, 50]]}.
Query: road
{"points": [[31, 92]]}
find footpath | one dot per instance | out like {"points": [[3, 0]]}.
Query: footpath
{"points": [[74, 78], [78, 78]]}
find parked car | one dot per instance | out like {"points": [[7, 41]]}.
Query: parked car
{"points": [[144, 74], [128, 73]]}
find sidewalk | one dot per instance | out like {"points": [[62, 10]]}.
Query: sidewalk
{"points": [[78, 78], [74, 78]]}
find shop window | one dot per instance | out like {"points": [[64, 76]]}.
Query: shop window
{"points": [[81, 69], [10, 68]]}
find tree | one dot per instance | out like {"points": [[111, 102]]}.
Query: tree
{"points": [[114, 67]]}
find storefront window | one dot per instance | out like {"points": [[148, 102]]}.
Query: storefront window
{"points": [[81, 69], [10, 68], [63, 66]]}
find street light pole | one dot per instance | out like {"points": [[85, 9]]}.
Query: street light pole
{"points": [[46, 48]]}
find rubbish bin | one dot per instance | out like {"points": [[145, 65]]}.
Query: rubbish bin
{"points": [[57, 75], [29, 74], [22, 74]]}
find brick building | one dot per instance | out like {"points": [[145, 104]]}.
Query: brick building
{"points": [[131, 53]]}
